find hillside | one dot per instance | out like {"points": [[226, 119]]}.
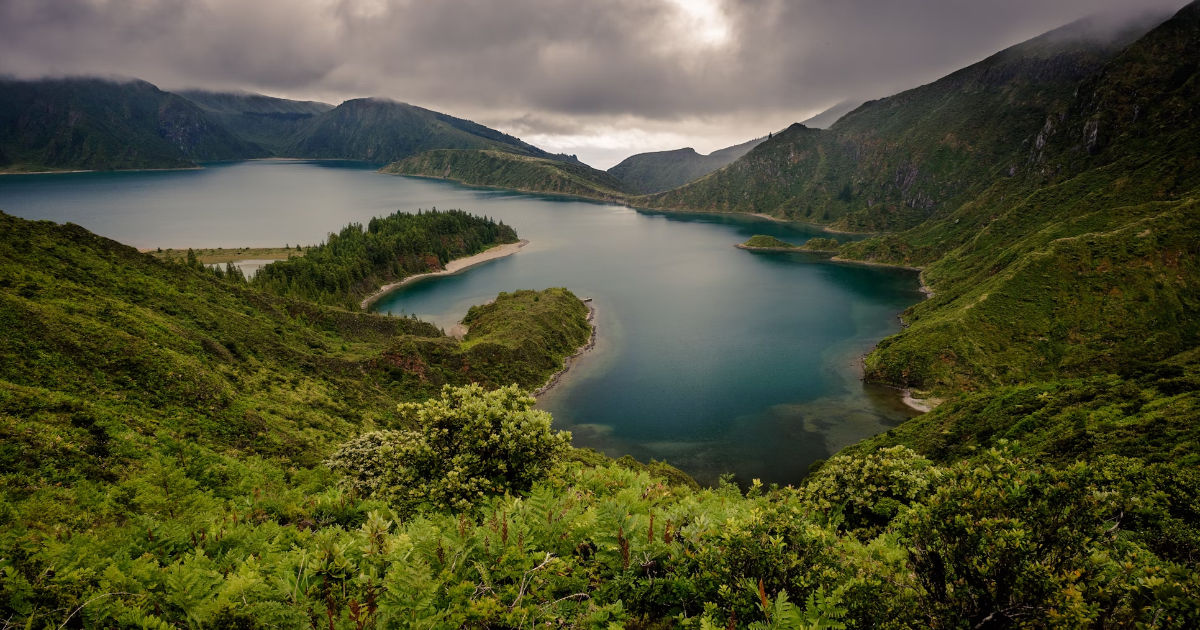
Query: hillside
{"points": [[381, 130], [266, 121], [657, 171], [180, 448], [504, 169], [83, 124], [825, 119], [1082, 261], [894, 162]]}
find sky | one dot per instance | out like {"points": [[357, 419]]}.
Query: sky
{"points": [[602, 79]]}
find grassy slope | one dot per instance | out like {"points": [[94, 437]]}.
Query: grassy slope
{"points": [[95, 328], [97, 124], [508, 170], [657, 171], [894, 162]]}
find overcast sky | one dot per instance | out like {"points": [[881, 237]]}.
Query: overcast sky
{"points": [[602, 79]]}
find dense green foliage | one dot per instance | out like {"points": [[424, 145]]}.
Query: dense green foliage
{"points": [[467, 444], [65, 124], [763, 241], [509, 170], [356, 261], [822, 244], [657, 171]]}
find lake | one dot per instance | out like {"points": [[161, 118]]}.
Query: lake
{"points": [[714, 359]]}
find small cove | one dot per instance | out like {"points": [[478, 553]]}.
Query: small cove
{"points": [[711, 358]]}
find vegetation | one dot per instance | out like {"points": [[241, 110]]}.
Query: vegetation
{"points": [[897, 161], [510, 170], [657, 171], [356, 261], [822, 244], [182, 448], [762, 241], [71, 124], [381, 131], [66, 124], [271, 123], [217, 255]]}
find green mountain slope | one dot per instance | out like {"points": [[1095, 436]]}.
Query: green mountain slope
{"points": [[380, 130], [657, 171], [265, 121], [827, 118], [894, 162], [504, 169], [1084, 259], [65, 124]]}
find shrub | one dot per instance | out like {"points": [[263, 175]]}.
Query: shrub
{"points": [[466, 444]]}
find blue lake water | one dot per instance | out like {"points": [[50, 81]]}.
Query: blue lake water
{"points": [[711, 358]]}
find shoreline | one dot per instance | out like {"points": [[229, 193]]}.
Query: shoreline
{"points": [[104, 170], [454, 266], [920, 270], [557, 377]]}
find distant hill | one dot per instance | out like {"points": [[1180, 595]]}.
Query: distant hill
{"points": [[896, 161], [505, 169], [66, 124], [264, 120], [663, 170], [825, 119], [380, 130], [99, 124]]}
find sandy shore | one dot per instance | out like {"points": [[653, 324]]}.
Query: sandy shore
{"points": [[452, 267], [591, 343]]}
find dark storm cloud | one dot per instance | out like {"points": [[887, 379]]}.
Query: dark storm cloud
{"points": [[564, 62]]}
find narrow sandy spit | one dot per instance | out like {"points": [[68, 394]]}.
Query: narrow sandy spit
{"points": [[452, 267]]}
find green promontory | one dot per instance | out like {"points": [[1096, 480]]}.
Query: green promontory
{"points": [[821, 244], [505, 169], [358, 260], [769, 243]]}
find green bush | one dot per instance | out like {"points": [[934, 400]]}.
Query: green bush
{"points": [[468, 443]]}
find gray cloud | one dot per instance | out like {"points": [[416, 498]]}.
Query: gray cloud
{"points": [[647, 71]]}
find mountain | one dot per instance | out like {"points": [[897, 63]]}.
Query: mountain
{"points": [[265, 121], [894, 162], [657, 171], [1078, 259], [504, 169], [825, 119], [381, 130], [67, 124]]}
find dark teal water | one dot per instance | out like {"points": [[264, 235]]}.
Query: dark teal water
{"points": [[709, 357]]}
